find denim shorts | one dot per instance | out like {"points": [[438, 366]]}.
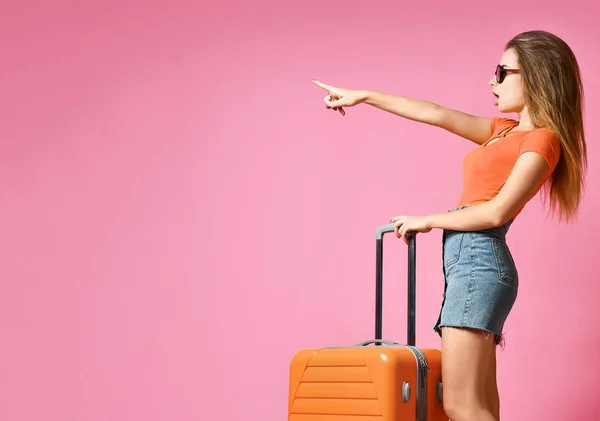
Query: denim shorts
{"points": [[480, 280]]}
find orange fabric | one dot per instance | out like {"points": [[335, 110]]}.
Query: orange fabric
{"points": [[487, 167]]}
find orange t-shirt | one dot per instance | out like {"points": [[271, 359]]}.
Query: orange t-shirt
{"points": [[486, 168]]}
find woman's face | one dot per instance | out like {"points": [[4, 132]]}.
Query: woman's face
{"points": [[509, 93]]}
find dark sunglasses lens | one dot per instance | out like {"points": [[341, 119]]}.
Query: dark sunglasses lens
{"points": [[500, 73]]}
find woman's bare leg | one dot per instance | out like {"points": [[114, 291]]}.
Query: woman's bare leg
{"points": [[467, 356], [493, 400]]}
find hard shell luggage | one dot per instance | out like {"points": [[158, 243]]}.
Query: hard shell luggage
{"points": [[375, 380]]}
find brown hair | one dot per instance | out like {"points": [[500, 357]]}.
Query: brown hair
{"points": [[554, 97]]}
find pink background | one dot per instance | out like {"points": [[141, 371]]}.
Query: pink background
{"points": [[180, 213]]}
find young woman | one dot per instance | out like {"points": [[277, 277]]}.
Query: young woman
{"points": [[538, 78]]}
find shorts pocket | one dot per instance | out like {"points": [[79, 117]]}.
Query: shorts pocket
{"points": [[506, 265], [452, 247]]}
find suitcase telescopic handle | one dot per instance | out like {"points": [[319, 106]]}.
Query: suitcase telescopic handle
{"points": [[411, 308]]}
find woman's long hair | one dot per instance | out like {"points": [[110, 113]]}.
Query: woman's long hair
{"points": [[554, 97]]}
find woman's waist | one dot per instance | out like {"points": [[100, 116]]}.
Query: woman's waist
{"points": [[496, 232]]}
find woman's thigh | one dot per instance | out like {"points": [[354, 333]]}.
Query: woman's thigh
{"points": [[467, 355]]}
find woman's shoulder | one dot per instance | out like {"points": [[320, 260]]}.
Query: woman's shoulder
{"points": [[505, 120], [543, 133], [502, 123], [545, 142]]}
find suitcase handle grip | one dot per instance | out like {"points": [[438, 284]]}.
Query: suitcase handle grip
{"points": [[411, 320], [379, 341]]}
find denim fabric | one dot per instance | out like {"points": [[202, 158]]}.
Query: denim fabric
{"points": [[480, 280]]}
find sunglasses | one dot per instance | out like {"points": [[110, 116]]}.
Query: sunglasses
{"points": [[501, 73]]}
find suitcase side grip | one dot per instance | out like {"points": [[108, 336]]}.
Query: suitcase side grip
{"points": [[379, 341]]}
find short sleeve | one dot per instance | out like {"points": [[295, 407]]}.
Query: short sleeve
{"points": [[499, 124], [544, 142]]}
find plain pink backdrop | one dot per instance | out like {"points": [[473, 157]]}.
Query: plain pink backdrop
{"points": [[180, 213]]}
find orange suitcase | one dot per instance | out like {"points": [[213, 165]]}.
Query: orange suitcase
{"points": [[375, 380]]}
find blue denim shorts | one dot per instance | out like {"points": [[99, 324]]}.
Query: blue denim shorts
{"points": [[480, 280]]}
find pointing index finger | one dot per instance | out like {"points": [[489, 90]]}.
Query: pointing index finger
{"points": [[321, 85]]}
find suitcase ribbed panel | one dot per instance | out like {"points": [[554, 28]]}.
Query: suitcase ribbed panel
{"points": [[336, 391], [336, 374], [337, 406], [351, 385], [332, 357], [332, 393]]}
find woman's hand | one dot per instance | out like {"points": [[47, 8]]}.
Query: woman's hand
{"points": [[406, 225], [337, 98]]}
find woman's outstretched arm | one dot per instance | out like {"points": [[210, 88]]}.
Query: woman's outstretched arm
{"points": [[474, 128]]}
